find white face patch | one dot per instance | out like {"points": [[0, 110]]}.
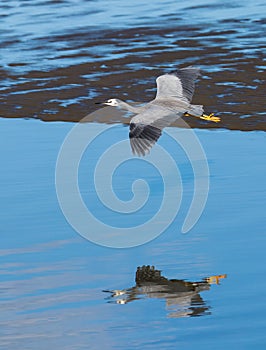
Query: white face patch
{"points": [[112, 102]]}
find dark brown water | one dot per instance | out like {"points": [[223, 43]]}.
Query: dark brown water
{"points": [[59, 57]]}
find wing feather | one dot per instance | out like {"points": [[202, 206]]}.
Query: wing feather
{"points": [[146, 128], [179, 84], [143, 137]]}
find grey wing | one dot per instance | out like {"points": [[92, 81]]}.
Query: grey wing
{"points": [[177, 85], [146, 128], [143, 137]]}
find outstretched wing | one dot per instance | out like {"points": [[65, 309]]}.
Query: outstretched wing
{"points": [[177, 85], [146, 128], [142, 137]]}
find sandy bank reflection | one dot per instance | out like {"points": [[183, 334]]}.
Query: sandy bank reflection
{"points": [[182, 297]]}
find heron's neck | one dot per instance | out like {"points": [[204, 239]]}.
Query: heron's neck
{"points": [[128, 107]]}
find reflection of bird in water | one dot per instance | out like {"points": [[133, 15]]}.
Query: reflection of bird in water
{"points": [[172, 101], [182, 297]]}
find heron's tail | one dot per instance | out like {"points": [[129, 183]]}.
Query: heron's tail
{"points": [[195, 110]]}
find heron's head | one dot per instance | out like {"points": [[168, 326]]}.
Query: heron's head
{"points": [[112, 102]]}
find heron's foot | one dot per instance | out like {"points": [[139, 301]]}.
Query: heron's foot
{"points": [[215, 279], [211, 117]]}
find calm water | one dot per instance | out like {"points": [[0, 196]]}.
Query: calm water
{"points": [[58, 290]]}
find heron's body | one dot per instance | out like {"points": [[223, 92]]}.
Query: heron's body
{"points": [[172, 101]]}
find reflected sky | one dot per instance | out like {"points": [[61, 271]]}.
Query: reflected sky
{"points": [[51, 279]]}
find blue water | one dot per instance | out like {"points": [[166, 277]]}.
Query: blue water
{"points": [[52, 279], [50, 34]]}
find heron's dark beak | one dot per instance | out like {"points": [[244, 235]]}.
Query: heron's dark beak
{"points": [[99, 103]]}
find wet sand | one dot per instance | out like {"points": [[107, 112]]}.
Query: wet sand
{"points": [[59, 77]]}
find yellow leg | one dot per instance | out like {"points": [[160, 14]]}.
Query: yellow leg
{"points": [[215, 279], [210, 117]]}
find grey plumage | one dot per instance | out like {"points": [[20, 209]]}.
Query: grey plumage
{"points": [[174, 94]]}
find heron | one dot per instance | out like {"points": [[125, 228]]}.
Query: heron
{"points": [[182, 297], [172, 101]]}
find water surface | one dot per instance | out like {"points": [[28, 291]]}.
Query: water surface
{"points": [[59, 57], [52, 280], [58, 290]]}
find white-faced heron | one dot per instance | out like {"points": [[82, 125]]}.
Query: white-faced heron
{"points": [[172, 101]]}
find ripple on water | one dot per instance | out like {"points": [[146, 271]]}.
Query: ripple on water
{"points": [[66, 57]]}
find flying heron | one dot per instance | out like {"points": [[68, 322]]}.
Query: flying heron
{"points": [[173, 100]]}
